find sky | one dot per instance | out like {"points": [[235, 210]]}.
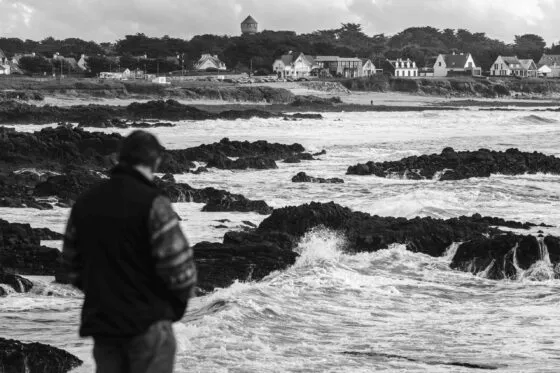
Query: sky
{"points": [[110, 20]]}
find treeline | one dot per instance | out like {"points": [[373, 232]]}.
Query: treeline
{"points": [[239, 52]]}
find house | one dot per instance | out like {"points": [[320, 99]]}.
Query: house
{"points": [[529, 69], [122, 74], [368, 68], [208, 61], [302, 66], [513, 66], [456, 64], [283, 65], [4, 64], [552, 63], [402, 68], [18, 56], [341, 66], [82, 63], [249, 26]]}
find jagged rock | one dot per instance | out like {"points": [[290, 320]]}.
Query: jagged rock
{"points": [[302, 177], [18, 283], [109, 116], [20, 249], [121, 123], [452, 165], [259, 163], [279, 234], [68, 187], [216, 200], [18, 357]]}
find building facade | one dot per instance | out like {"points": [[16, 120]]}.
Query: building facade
{"points": [[449, 64], [403, 68], [347, 67], [209, 61], [549, 66], [513, 66], [283, 66]]}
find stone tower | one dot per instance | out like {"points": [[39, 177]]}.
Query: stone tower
{"points": [[249, 26]]}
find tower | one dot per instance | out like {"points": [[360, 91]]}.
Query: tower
{"points": [[249, 26]]}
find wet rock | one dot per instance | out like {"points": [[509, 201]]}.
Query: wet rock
{"points": [[18, 283], [68, 187], [302, 177], [280, 233], [219, 265], [16, 357], [121, 123], [216, 200], [258, 163], [452, 165], [20, 249]]}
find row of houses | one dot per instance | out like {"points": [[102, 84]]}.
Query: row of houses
{"points": [[287, 66], [302, 66]]}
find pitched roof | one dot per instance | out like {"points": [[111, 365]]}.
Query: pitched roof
{"points": [[287, 59], [550, 60], [511, 60], [456, 60], [250, 20], [526, 64]]}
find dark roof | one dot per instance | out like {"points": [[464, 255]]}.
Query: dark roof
{"points": [[510, 60], [550, 60], [287, 59], [250, 20], [456, 60]]}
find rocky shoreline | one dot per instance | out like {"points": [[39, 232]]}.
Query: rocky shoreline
{"points": [[18, 357], [452, 165]]}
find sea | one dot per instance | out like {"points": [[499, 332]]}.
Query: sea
{"points": [[392, 310]]}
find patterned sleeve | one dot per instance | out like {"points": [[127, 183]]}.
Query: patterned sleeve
{"points": [[174, 258], [71, 257]]}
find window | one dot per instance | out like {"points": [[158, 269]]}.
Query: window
{"points": [[439, 64]]}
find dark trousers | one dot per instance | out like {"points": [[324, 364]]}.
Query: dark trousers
{"points": [[151, 352]]}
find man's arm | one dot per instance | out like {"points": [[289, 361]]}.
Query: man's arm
{"points": [[71, 257], [174, 258]]}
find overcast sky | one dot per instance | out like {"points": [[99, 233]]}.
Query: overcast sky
{"points": [[108, 20]]}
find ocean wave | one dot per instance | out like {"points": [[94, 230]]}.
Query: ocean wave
{"points": [[536, 119]]}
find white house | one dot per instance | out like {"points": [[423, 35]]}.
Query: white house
{"points": [[302, 66], [403, 68], [455, 63], [368, 68], [82, 63], [282, 67], [549, 62], [4, 64], [513, 66], [208, 61], [529, 69]]}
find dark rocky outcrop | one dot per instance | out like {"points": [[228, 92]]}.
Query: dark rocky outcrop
{"points": [[63, 147], [454, 165], [216, 200], [68, 187], [278, 235], [98, 115], [120, 123], [315, 101], [21, 252], [302, 177], [18, 357], [17, 283]]}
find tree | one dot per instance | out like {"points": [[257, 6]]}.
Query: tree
{"points": [[529, 46], [35, 65], [98, 64]]}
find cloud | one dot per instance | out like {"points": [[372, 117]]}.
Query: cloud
{"points": [[108, 20]]}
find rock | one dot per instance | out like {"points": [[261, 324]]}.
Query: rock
{"points": [[313, 101], [303, 178], [18, 283], [216, 200], [451, 165], [258, 163], [219, 265], [305, 116], [322, 152], [68, 187], [16, 357], [20, 249]]}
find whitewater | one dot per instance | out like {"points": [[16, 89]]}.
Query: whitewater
{"points": [[392, 310]]}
